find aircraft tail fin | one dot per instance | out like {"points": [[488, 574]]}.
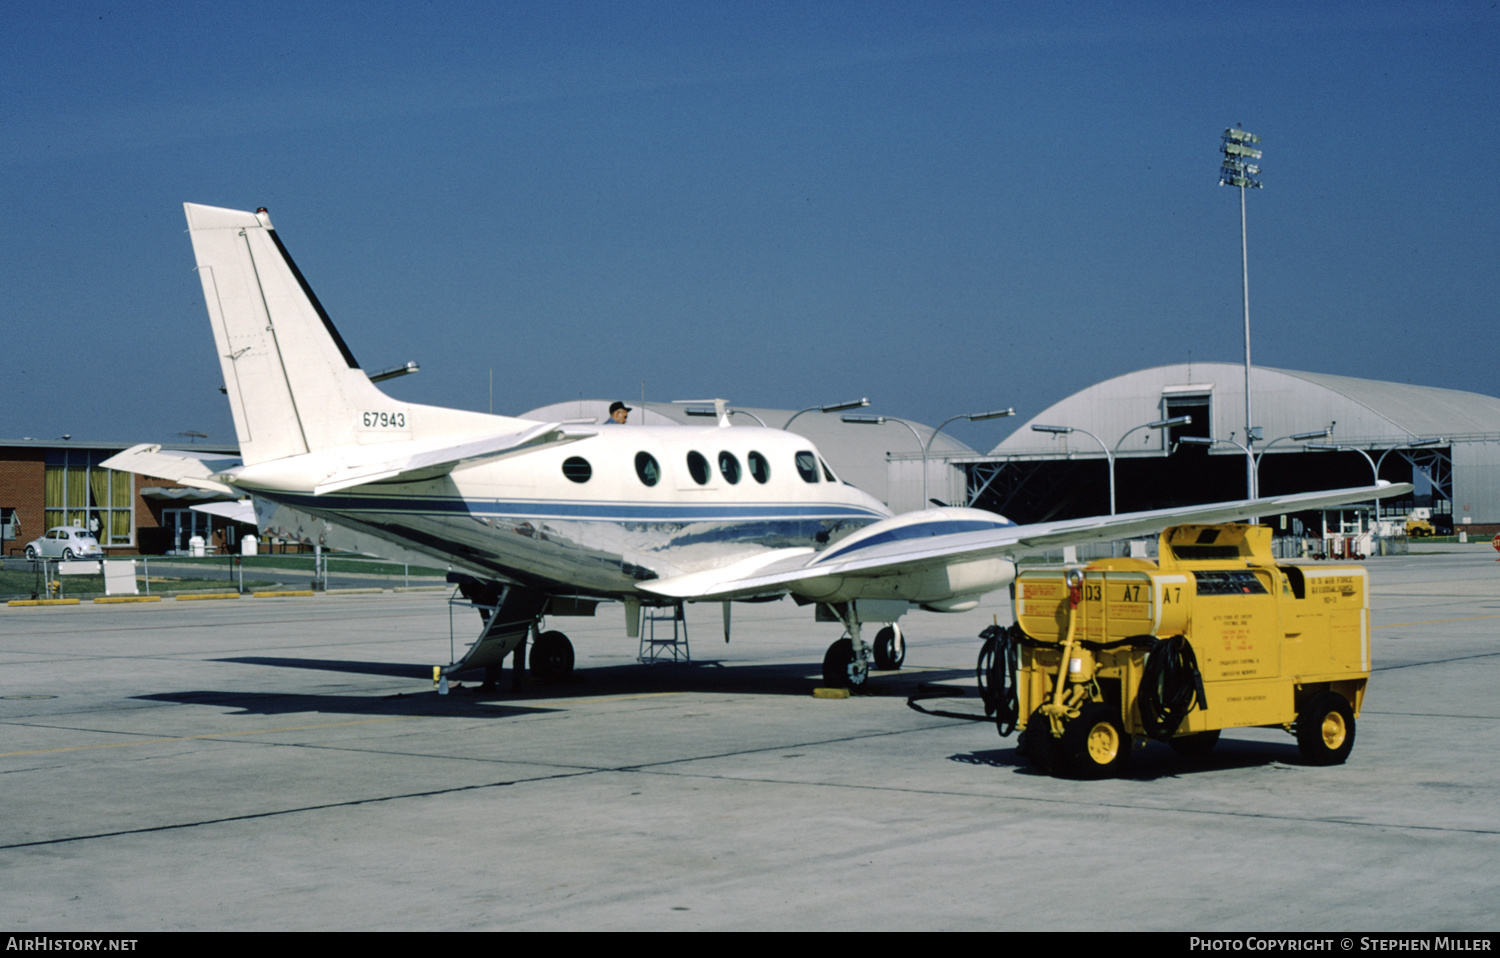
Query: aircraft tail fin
{"points": [[293, 384]]}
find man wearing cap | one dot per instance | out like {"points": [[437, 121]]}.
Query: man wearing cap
{"points": [[617, 413]]}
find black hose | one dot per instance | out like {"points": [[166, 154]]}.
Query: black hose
{"points": [[1171, 686], [996, 673]]}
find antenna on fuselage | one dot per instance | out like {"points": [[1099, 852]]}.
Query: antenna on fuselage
{"points": [[721, 408]]}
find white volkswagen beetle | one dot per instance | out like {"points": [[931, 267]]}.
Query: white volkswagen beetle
{"points": [[65, 542]]}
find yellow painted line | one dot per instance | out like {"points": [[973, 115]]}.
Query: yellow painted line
{"points": [[1468, 618], [279, 595], [128, 598], [208, 595], [26, 602], [207, 735]]}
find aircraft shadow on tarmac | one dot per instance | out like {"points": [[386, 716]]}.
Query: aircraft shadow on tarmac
{"points": [[426, 704], [468, 697], [1157, 760]]}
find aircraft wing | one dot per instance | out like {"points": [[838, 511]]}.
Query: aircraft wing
{"points": [[922, 542]]}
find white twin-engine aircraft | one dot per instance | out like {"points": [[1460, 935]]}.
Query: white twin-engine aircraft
{"points": [[552, 517]]}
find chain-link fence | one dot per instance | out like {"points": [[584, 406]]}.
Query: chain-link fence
{"points": [[22, 578]]}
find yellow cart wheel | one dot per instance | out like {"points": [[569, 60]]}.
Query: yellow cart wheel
{"points": [[1094, 745], [1325, 730]]}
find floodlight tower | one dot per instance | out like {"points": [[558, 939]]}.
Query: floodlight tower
{"points": [[1236, 170]]}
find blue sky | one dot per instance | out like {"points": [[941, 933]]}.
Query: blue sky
{"points": [[946, 207]]}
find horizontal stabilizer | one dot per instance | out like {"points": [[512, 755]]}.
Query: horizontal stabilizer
{"points": [[195, 469], [241, 510]]}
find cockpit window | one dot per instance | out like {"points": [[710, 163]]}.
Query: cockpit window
{"points": [[807, 466], [759, 468], [729, 467], [577, 469], [827, 473], [698, 467], [647, 468]]}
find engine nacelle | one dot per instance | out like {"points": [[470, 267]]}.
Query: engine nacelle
{"points": [[955, 587]]}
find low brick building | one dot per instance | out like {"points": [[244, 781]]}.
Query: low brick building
{"points": [[46, 483]]}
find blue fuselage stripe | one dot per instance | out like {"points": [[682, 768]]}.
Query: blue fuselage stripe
{"points": [[545, 509]]}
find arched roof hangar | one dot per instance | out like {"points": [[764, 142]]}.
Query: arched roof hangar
{"points": [[1033, 475]]}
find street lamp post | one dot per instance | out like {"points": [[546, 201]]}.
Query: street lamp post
{"points": [[1375, 464], [972, 417], [882, 420], [831, 407], [1374, 470], [1249, 458], [1158, 424], [1235, 170], [1108, 456], [1323, 433]]}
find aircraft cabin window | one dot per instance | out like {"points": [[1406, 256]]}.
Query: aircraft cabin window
{"points": [[759, 468], [577, 469], [698, 468], [729, 467], [647, 468], [807, 466]]}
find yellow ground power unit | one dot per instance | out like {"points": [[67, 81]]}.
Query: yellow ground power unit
{"points": [[1214, 635]]}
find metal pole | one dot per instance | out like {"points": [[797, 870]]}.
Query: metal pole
{"points": [[1250, 477]]}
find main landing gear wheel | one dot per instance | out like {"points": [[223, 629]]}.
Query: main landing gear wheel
{"points": [[890, 648], [1325, 730], [840, 668], [1093, 745], [552, 658]]}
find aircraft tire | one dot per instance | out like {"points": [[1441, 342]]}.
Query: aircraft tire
{"points": [[890, 648], [1325, 730], [552, 658], [836, 663], [1093, 745]]}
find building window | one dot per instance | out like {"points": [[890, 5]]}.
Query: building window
{"points": [[1198, 403], [78, 492]]}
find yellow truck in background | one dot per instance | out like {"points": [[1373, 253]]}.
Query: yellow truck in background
{"points": [[1216, 634]]}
